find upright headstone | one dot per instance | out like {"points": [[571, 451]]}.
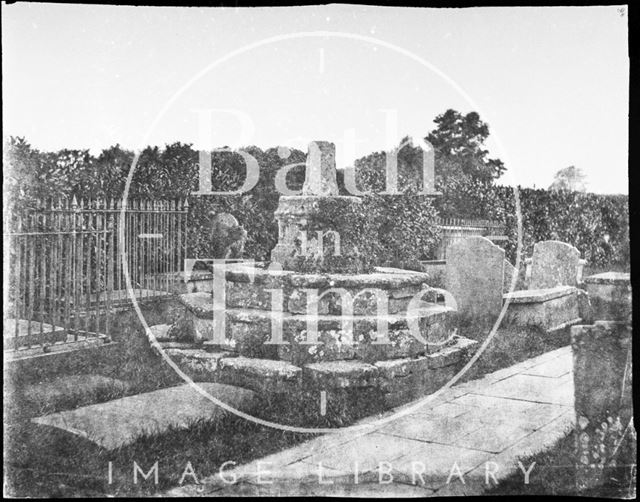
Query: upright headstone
{"points": [[475, 276], [509, 272], [554, 263]]}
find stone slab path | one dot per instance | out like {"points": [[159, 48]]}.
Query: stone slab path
{"points": [[119, 422], [475, 432]]}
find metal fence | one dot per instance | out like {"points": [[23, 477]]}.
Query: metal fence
{"points": [[63, 266], [455, 229]]}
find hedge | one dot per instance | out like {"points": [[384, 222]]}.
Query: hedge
{"points": [[596, 224], [401, 227]]}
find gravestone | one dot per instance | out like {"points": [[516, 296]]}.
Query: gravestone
{"points": [[509, 272], [554, 263], [475, 276]]}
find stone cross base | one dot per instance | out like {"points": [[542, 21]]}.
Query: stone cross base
{"points": [[311, 239]]}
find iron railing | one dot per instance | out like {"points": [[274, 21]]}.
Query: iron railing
{"points": [[63, 265]]}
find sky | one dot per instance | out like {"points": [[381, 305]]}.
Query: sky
{"points": [[552, 83]]}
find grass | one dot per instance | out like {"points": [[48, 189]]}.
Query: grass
{"points": [[47, 462], [511, 344], [555, 474]]}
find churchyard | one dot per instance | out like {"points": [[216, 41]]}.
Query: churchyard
{"points": [[146, 353]]}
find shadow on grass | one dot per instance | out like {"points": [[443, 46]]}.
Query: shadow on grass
{"points": [[512, 343], [44, 461], [554, 473]]}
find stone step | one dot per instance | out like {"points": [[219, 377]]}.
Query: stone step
{"points": [[398, 379], [247, 287], [383, 277], [260, 375], [201, 305], [199, 364], [249, 332], [361, 301]]}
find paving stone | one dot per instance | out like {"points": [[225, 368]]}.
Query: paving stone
{"points": [[495, 438], [443, 429], [122, 421], [299, 471], [538, 441], [451, 410], [530, 388], [368, 452], [436, 463], [553, 368], [508, 427]]}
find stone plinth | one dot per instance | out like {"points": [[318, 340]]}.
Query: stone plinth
{"points": [[610, 296], [321, 282], [345, 359], [317, 230], [602, 375], [309, 240]]}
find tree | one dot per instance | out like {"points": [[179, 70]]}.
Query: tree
{"points": [[570, 178], [464, 172], [458, 141]]}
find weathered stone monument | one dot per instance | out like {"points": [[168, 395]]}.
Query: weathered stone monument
{"points": [[554, 263], [315, 321], [307, 239], [552, 301], [602, 375], [609, 296], [475, 276]]}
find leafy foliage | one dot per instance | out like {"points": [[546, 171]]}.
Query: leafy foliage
{"points": [[569, 178], [598, 225], [458, 141], [400, 226]]}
